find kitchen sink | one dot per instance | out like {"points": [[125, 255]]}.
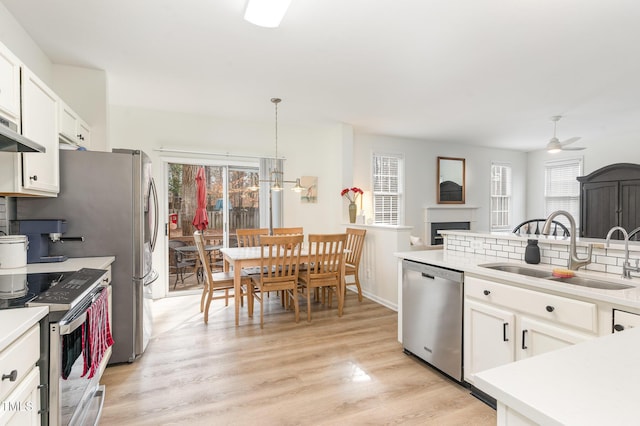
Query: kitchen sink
{"points": [[521, 270], [541, 273], [589, 282]]}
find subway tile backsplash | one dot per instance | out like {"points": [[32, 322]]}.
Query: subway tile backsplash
{"points": [[608, 260]]}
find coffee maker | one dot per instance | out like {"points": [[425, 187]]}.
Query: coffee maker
{"points": [[40, 233]]}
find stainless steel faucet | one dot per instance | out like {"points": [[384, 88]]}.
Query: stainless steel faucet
{"points": [[626, 266], [574, 261]]}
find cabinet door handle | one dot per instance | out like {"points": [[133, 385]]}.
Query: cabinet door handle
{"points": [[550, 308], [11, 376], [486, 292], [34, 177], [504, 332], [524, 336], [618, 327]]}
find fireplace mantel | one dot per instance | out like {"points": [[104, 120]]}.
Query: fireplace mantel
{"points": [[448, 213]]}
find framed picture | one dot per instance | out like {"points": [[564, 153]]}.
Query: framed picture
{"points": [[310, 192]]}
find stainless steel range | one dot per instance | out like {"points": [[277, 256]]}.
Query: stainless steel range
{"points": [[75, 341]]}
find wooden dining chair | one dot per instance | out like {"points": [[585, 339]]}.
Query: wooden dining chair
{"points": [[354, 245], [250, 237], [324, 270], [288, 231], [213, 281], [279, 259]]}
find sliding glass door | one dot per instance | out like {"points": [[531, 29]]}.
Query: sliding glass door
{"points": [[231, 203]]}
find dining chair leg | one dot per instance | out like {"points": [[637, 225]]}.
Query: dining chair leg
{"points": [[226, 297], [206, 308], [261, 308], [309, 304], [205, 290], [296, 305], [250, 300], [358, 286]]}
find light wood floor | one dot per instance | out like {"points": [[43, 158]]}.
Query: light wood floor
{"points": [[348, 370]]}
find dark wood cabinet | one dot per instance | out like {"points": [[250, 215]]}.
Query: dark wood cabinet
{"points": [[610, 197]]}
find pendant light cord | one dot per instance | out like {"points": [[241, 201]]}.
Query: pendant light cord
{"points": [[276, 101]]}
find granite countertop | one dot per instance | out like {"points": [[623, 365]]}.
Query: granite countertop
{"points": [[592, 383], [71, 264], [469, 263]]}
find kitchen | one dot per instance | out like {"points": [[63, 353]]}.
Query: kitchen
{"points": [[345, 147]]}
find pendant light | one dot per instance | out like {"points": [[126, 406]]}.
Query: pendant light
{"points": [[276, 176]]}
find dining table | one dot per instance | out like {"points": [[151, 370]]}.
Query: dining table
{"points": [[249, 257]]}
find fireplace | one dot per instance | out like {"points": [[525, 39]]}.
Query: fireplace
{"points": [[447, 217], [437, 239]]}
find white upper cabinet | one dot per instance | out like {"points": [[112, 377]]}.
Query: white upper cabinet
{"points": [[73, 129], [40, 171], [9, 84]]}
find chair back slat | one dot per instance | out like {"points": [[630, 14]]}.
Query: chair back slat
{"points": [[198, 237], [250, 237], [355, 242], [326, 254], [279, 259], [288, 231]]}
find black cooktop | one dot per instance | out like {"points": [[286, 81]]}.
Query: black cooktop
{"points": [[70, 291], [36, 284]]}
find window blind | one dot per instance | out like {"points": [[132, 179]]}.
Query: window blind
{"points": [[562, 189], [500, 196], [387, 191]]}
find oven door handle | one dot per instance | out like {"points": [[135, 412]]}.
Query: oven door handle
{"points": [[67, 327]]}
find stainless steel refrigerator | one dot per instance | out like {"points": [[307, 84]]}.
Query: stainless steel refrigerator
{"points": [[109, 198]]}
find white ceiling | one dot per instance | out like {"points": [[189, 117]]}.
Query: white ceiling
{"points": [[487, 72]]}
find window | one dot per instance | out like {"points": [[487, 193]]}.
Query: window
{"points": [[562, 189], [387, 189], [500, 196]]}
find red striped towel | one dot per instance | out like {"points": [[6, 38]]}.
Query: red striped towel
{"points": [[96, 334]]}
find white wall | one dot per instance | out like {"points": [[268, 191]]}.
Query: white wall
{"points": [[421, 170], [599, 153], [22, 45], [309, 151], [85, 90]]}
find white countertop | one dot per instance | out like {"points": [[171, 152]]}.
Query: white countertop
{"points": [[14, 322], [71, 264], [591, 383], [468, 263]]}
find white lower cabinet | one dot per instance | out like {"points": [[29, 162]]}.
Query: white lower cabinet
{"points": [[623, 320], [503, 323], [19, 392], [489, 336], [538, 337]]}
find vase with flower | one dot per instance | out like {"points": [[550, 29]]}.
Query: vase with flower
{"points": [[352, 195]]}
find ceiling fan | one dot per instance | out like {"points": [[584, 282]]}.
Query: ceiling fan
{"points": [[555, 145]]}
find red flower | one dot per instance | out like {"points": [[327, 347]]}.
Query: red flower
{"points": [[351, 197]]}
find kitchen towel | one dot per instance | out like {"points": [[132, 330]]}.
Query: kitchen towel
{"points": [[71, 350], [96, 334]]}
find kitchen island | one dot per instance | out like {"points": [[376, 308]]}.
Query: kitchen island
{"points": [[591, 383], [591, 379]]}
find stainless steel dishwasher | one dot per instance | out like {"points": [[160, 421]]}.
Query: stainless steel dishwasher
{"points": [[432, 315]]}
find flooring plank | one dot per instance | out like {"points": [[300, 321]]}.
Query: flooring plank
{"points": [[348, 370]]}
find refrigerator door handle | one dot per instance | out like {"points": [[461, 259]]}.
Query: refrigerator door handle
{"points": [[156, 214], [150, 278]]}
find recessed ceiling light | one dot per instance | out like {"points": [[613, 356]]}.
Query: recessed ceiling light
{"points": [[266, 13]]}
